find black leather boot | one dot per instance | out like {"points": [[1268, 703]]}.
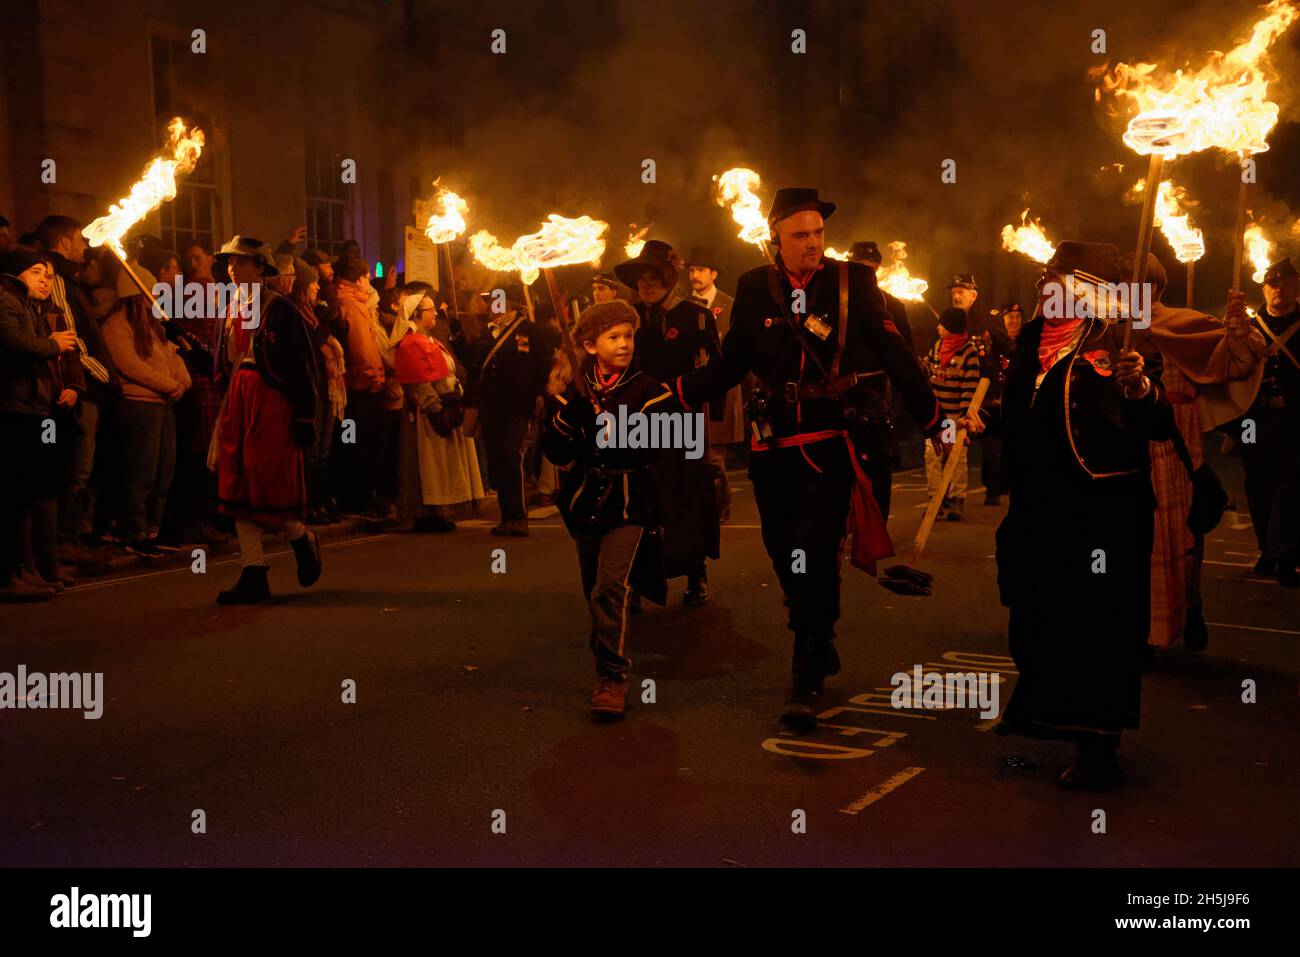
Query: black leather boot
{"points": [[306, 552], [251, 587]]}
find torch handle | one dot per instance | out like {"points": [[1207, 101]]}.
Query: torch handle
{"points": [[561, 310], [1145, 231], [1239, 237], [135, 278], [451, 282]]}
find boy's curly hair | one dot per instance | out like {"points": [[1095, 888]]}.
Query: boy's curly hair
{"points": [[601, 317]]}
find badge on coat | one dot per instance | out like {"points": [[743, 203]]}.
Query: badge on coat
{"points": [[1100, 360], [521, 343], [671, 333], [817, 327]]}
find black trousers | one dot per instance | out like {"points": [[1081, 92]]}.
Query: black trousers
{"points": [[504, 432], [21, 482], [360, 461], [804, 509], [991, 464], [1272, 465], [605, 560]]}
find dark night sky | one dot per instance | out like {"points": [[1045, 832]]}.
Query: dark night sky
{"points": [[589, 89]]}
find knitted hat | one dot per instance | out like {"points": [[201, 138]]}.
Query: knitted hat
{"points": [[21, 258]]}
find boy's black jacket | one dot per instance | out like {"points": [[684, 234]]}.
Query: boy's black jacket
{"points": [[570, 437]]}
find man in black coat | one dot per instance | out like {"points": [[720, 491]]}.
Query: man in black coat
{"points": [[676, 336], [820, 420], [508, 364]]}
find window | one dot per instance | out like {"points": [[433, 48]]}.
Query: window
{"points": [[180, 89], [329, 207]]}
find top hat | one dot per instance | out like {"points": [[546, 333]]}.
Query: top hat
{"points": [[866, 252], [254, 249], [705, 256], [794, 199], [1279, 271], [1092, 262], [656, 255]]}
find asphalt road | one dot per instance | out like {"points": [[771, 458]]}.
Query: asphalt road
{"points": [[471, 699]]}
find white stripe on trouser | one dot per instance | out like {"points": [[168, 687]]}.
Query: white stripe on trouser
{"points": [[622, 628]]}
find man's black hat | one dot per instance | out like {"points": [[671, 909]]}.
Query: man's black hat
{"points": [[605, 279], [1278, 272], [866, 252], [795, 199], [705, 256], [656, 255], [964, 280], [1095, 261]]}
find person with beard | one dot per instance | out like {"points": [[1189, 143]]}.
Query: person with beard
{"points": [[1272, 460], [727, 415], [1074, 551], [954, 368], [676, 336], [267, 418], [608, 499], [813, 332]]}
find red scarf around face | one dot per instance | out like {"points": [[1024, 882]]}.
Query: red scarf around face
{"points": [[1054, 339], [950, 345]]}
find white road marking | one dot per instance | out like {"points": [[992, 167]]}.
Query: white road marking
{"points": [[876, 793], [1277, 631]]}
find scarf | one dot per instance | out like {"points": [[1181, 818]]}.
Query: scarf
{"points": [[1055, 340], [950, 345]]}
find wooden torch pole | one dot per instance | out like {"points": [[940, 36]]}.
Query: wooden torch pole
{"points": [[1145, 231]]}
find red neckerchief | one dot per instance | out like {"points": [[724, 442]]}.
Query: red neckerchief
{"points": [[950, 345], [1053, 340], [801, 281], [606, 382]]}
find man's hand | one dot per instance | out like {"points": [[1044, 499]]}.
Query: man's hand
{"points": [[66, 340], [175, 394], [973, 424], [1235, 318], [298, 236], [1130, 375], [67, 398]]}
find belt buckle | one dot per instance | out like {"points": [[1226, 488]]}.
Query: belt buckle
{"points": [[790, 390]]}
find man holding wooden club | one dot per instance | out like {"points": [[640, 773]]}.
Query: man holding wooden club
{"points": [[813, 331]]}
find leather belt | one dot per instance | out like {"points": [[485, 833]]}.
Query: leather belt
{"points": [[798, 391]]}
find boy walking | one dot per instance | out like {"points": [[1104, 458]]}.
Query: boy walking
{"points": [[606, 498], [953, 364]]}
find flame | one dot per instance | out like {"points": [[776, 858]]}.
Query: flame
{"points": [[1222, 105], [560, 242], [736, 192], [156, 186], [449, 222], [635, 241], [1028, 238], [1174, 221], [1258, 250], [894, 278], [485, 249], [832, 253]]}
